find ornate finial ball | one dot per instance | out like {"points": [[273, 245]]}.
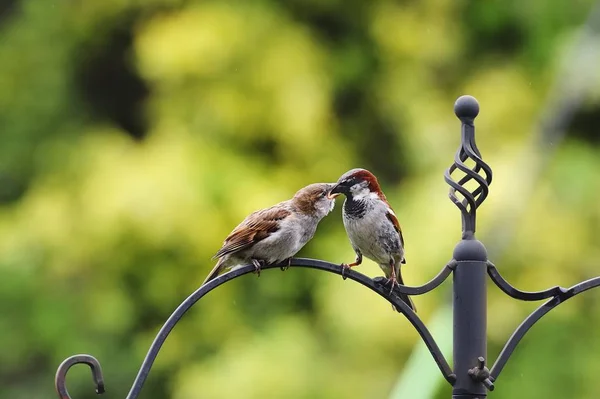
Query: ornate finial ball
{"points": [[466, 107]]}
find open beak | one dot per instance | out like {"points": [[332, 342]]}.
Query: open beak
{"points": [[334, 192]]}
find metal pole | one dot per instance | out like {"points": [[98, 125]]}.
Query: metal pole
{"points": [[470, 273], [469, 306]]}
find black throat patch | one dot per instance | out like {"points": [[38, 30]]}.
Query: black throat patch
{"points": [[355, 209]]}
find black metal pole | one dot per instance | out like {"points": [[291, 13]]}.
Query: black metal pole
{"points": [[469, 304], [470, 273]]}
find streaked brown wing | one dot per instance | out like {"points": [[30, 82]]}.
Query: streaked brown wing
{"points": [[257, 226], [392, 218]]}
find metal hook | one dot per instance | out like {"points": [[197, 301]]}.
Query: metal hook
{"points": [[61, 374]]}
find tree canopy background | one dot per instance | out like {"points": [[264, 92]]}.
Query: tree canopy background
{"points": [[137, 134]]}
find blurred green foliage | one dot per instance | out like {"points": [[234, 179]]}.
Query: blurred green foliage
{"points": [[137, 134]]}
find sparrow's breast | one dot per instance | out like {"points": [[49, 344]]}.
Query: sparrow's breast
{"points": [[373, 234]]}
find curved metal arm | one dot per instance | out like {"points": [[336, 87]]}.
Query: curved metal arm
{"points": [[422, 289], [61, 374], [518, 294], [298, 262], [533, 318]]}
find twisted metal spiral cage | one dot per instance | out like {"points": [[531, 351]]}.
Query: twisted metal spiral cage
{"points": [[466, 109]]}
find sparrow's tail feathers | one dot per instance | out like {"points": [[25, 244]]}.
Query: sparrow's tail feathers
{"points": [[215, 271]]}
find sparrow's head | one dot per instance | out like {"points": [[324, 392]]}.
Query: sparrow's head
{"points": [[314, 200], [357, 184]]}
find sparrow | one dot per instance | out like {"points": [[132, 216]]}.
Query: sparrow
{"points": [[277, 233], [371, 225]]}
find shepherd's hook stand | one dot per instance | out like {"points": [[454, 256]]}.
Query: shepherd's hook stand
{"points": [[470, 377]]}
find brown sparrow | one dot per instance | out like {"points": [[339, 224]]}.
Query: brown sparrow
{"points": [[277, 233], [371, 225]]}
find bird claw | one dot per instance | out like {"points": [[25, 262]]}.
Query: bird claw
{"points": [[393, 284], [383, 281], [257, 266], [344, 267], [285, 267]]}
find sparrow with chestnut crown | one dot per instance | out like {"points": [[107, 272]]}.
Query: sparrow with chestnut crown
{"points": [[277, 233], [371, 225]]}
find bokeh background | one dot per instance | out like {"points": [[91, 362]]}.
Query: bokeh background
{"points": [[136, 134]]}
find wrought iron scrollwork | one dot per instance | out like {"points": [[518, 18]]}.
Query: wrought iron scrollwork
{"points": [[558, 295], [466, 109], [513, 292], [537, 314], [296, 262], [471, 377]]}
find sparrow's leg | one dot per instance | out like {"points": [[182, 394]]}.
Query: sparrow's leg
{"points": [[257, 266], [357, 262], [289, 263], [392, 281]]}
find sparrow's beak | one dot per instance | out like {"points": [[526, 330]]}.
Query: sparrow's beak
{"points": [[334, 191]]}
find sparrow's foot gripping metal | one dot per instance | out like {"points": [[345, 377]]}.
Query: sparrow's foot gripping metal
{"points": [[345, 266], [258, 264], [392, 282], [388, 282], [286, 266]]}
